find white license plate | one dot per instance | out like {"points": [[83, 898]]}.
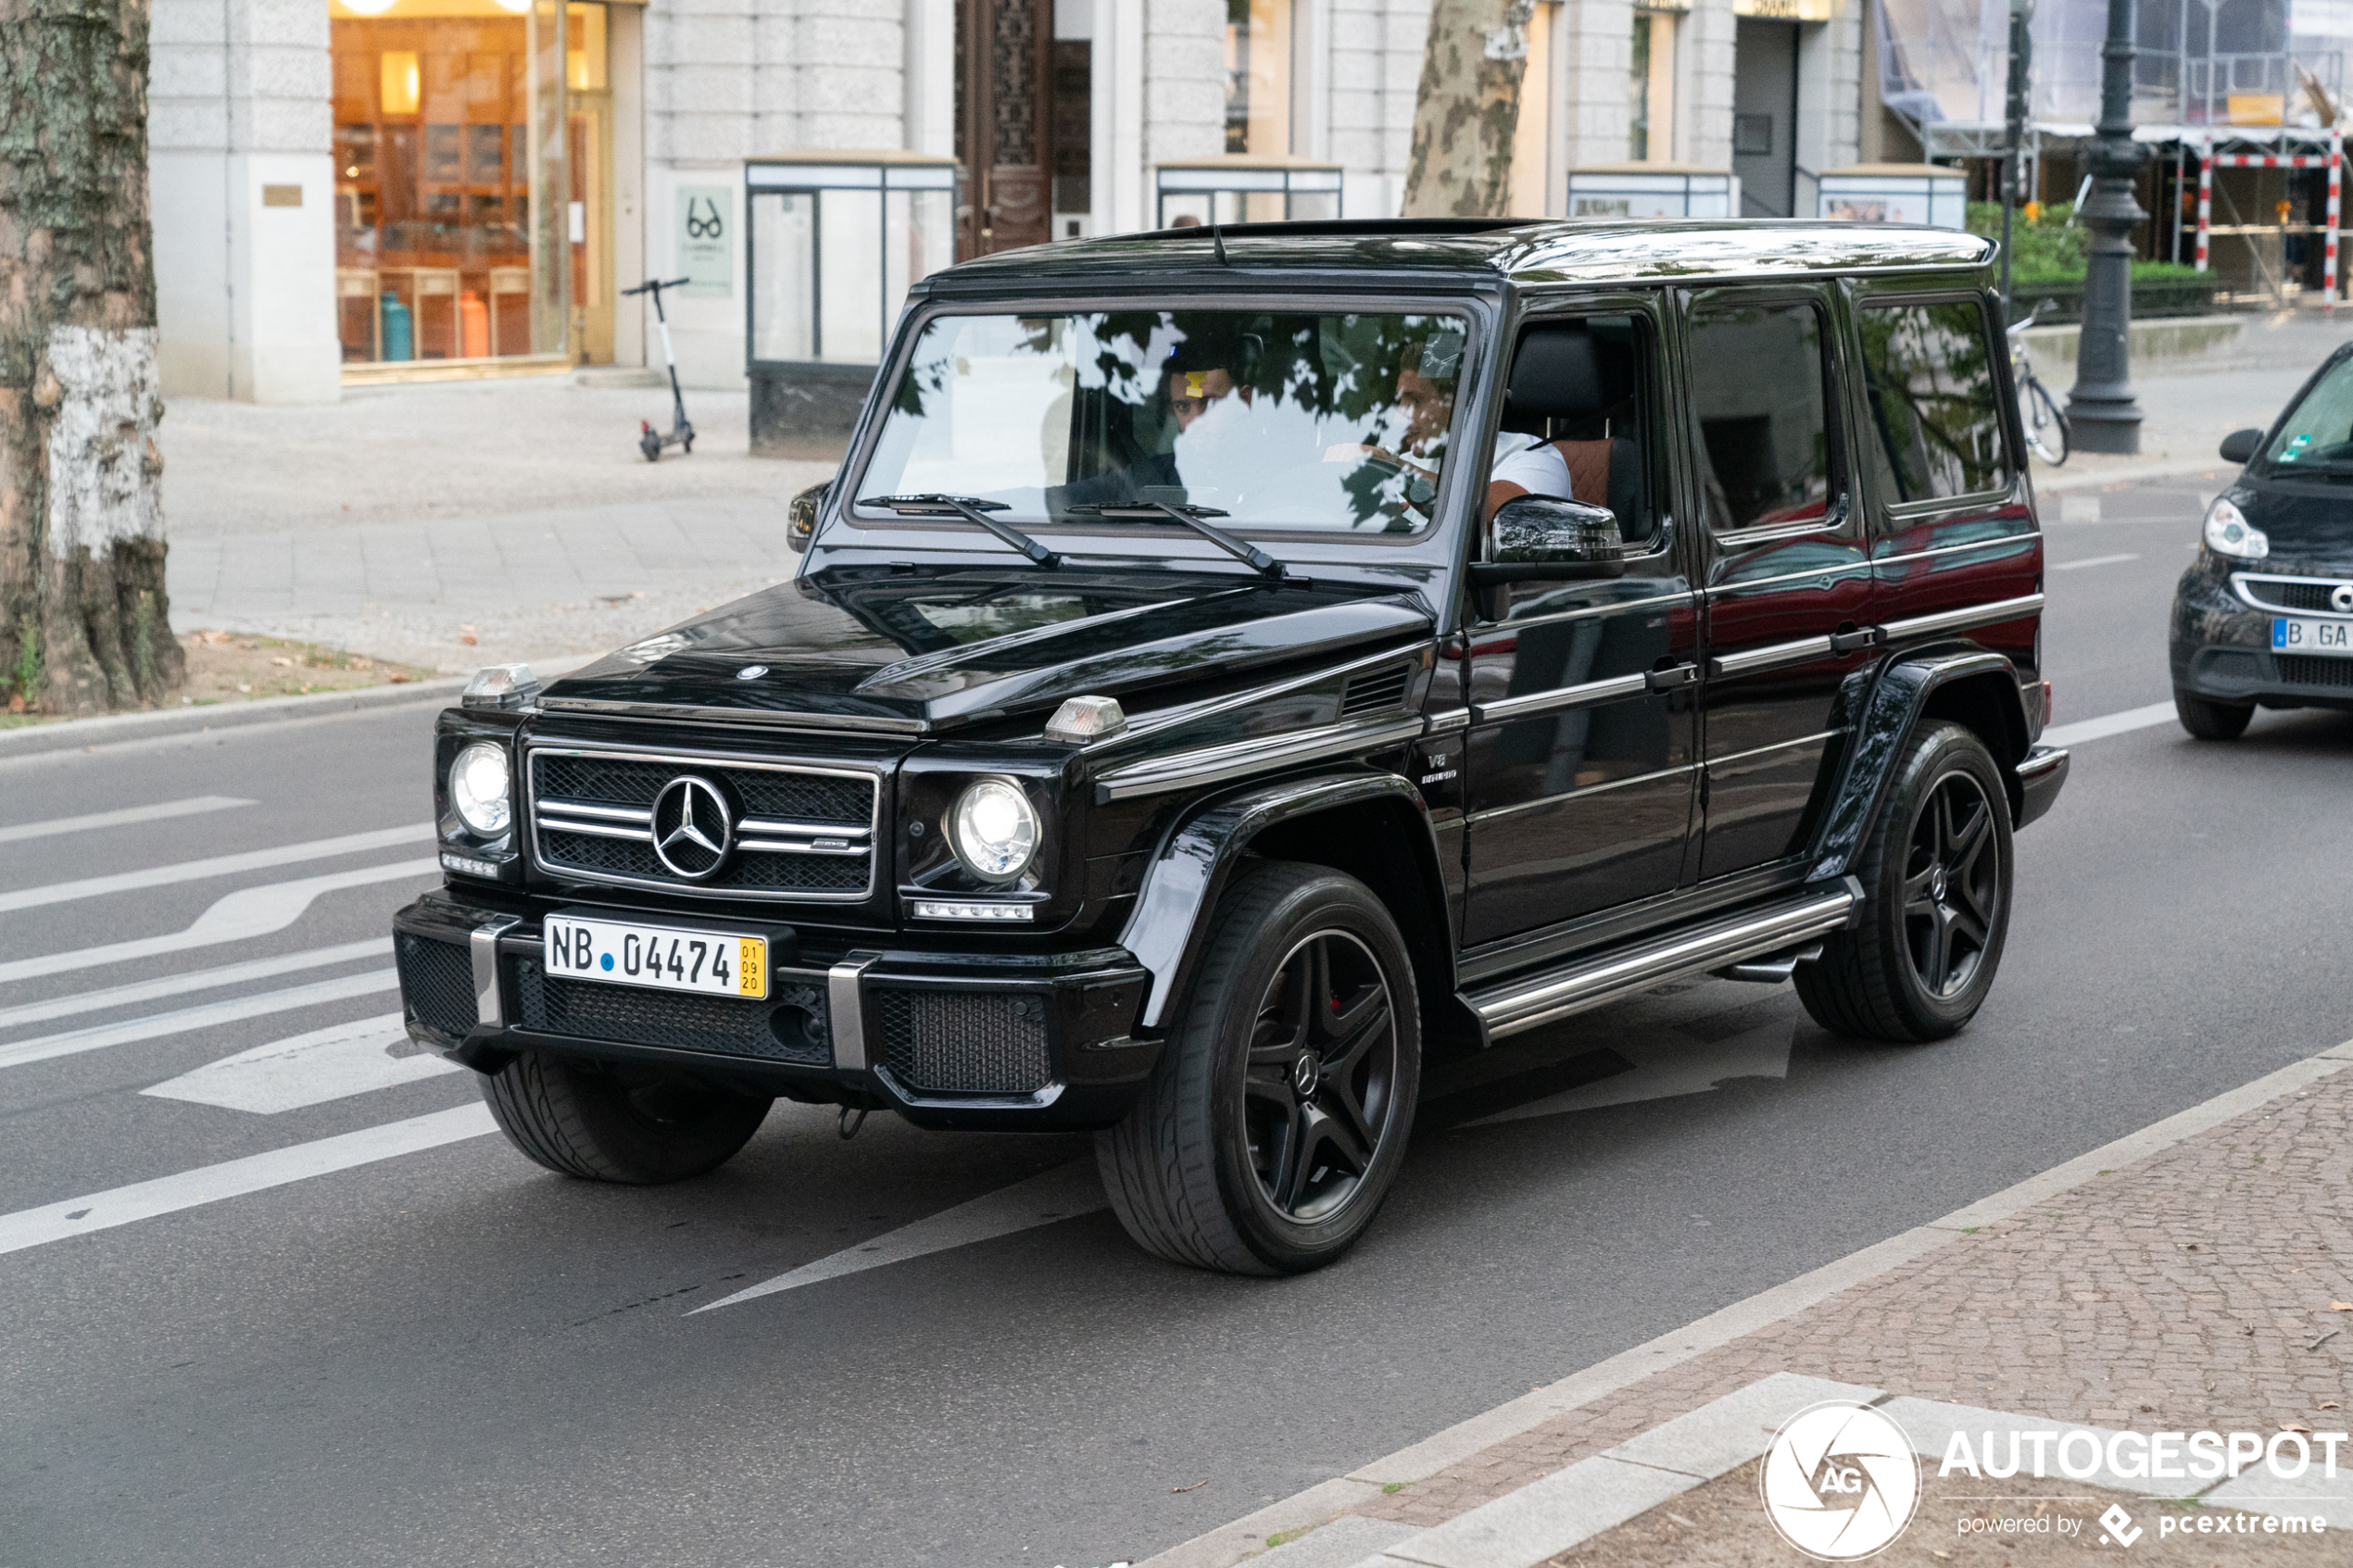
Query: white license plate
{"points": [[662, 956], [2311, 636]]}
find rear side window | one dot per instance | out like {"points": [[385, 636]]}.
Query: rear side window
{"points": [[1928, 374], [1763, 424]]}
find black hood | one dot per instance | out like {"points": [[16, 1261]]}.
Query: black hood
{"points": [[936, 649], [2307, 520]]}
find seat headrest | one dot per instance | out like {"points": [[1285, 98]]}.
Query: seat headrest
{"points": [[1563, 374]]}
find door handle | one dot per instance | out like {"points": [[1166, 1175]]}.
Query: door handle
{"points": [[1666, 680], [1861, 638]]}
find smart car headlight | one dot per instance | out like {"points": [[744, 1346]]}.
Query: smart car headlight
{"points": [[2229, 533], [478, 788], [994, 830]]}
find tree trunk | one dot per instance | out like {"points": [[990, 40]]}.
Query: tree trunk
{"points": [[1467, 108], [84, 624]]}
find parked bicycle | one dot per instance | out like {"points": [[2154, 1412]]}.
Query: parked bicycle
{"points": [[2047, 429]]}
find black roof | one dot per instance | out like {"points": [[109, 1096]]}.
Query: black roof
{"points": [[1528, 251]]}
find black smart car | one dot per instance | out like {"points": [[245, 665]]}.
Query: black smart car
{"points": [[2264, 617], [1230, 665]]}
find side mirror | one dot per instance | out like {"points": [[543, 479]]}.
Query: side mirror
{"points": [[1539, 538], [800, 517], [2241, 445]]}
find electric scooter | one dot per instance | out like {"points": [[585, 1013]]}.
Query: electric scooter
{"points": [[680, 433]]}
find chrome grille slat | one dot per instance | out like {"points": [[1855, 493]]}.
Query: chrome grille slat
{"points": [[805, 832]]}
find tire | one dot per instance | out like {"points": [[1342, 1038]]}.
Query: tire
{"points": [[2208, 719], [1225, 1163], [619, 1124], [2047, 433], [1936, 882]]}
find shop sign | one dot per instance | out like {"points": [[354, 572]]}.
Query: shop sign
{"points": [[706, 242], [1788, 11]]}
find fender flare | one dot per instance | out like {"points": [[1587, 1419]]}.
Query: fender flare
{"points": [[1898, 695], [1169, 926]]}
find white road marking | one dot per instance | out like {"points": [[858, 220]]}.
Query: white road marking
{"points": [[1664, 1070], [98, 1036], [192, 979], [2094, 560], [1041, 1199], [2108, 724], [234, 1178], [194, 805], [219, 865], [250, 911], [2077, 506], [331, 1063]]}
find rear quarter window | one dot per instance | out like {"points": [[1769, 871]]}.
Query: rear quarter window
{"points": [[1935, 427]]}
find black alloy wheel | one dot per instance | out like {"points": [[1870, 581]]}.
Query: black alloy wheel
{"points": [[1952, 885], [1276, 1118], [1935, 870], [1322, 1066]]}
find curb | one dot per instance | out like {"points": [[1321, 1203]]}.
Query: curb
{"points": [[72, 734], [1229, 1544], [2052, 481]]}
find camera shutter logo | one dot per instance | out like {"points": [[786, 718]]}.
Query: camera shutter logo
{"points": [[1841, 1481], [692, 830]]}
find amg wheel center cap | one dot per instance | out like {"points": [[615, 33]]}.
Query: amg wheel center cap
{"points": [[1937, 884], [1302, 1075], [692, 830]]}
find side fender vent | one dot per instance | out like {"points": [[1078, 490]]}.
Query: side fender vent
{"points": [[1375, 691]]}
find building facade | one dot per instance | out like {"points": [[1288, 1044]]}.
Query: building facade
{"points": [[352, 190]]}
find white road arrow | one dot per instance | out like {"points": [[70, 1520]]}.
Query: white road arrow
{"points": [[1663, 1071], [331, 1063]]}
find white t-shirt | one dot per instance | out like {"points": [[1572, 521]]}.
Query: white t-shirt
{"points": [[1534, 464]]}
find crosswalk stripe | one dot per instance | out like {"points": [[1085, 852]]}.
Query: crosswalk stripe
{"points": [[1042, 1199], [193, 806], [335, 1063], [73, 1042], [234, 1178], [219, 865], [192, 979], [250, 911]]}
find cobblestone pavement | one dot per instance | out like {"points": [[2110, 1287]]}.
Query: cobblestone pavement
{"points": [[406, 519], [2200, 1288]]}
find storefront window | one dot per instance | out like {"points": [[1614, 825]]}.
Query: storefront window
{"points": [[835, 247], [1258, 76], [470, 177], [1650, 83]]}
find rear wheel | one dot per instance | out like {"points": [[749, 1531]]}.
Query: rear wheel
{"points": [[618, 1123], [2207, 720], [1936, 883], [2047, 433], [1276, 1118]]}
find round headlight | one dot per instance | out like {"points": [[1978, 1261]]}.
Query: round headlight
{"points": [[2229, 533], [994, 830], [478, 788]]}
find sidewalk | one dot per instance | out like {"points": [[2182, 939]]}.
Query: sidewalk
{"points": [[2202, 1287]]}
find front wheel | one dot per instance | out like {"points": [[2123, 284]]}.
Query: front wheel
{"points": [[1276, 1118], [2047, 432], [2207, 720], [1936, 889], [620, 1124]]}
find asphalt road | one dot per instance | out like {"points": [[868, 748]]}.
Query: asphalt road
{"points": [[449, 1356]]}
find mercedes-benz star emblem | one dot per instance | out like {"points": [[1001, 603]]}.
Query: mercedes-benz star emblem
{"points": [[692, 830], [751, 672], [2341, 598]]}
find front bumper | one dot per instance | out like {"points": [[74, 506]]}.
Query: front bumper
{"points": [[1023, 1041], [2220, 648]]}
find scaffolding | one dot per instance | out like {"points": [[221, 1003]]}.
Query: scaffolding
{"points": [[2274, 154]]}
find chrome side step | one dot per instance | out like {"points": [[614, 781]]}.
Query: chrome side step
{"points": [[1528, 1001]]}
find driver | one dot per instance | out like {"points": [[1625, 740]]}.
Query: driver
{"points": [[1522, 465]]}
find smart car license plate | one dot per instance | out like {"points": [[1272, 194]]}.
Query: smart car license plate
{"points": [[664, 958], [2312, 636]]}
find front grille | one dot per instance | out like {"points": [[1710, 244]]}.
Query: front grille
{"points": [[2304, 669], [2273, 593], [799, 831], [962, 1042], [1374, 693], [436, 984], [788, 1026]]}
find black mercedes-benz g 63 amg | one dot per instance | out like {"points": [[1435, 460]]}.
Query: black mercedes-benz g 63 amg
{"points": [[1231, 664]]}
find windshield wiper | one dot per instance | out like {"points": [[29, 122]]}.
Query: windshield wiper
{"points": [[1194, 518], [972, 509]]}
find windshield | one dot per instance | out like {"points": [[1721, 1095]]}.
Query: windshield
{"points": [[2319, 433], [1266, 419]]}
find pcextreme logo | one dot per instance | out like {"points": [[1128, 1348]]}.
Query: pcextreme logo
{"points": [[1841, 1481]]}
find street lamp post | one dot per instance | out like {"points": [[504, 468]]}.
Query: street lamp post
{"points": [[2105, 415]]}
